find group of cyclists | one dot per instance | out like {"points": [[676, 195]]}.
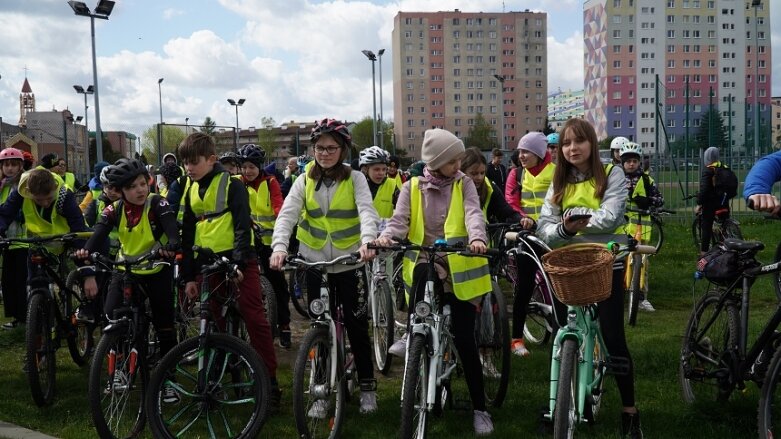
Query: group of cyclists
{"points": [[322, 208]]}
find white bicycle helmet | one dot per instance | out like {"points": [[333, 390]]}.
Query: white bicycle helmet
{"points": [[373, 155], [104, 175], [618, 142], [630, 148]]}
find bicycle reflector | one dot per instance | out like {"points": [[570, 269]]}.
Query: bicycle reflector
{"points": [[422, 309], [317, 307]]}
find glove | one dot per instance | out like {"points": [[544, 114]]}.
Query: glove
{"points": [[642, 202]]}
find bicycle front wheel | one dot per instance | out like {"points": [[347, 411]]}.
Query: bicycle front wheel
{"points": [[269, 304], [82, 339], [493, 343], [565, 415], [383, 325], [118, 378], [318, 404], [40, 360], [297, 288], [227, 398], [711, 333], [414, 416], [769, 418]]}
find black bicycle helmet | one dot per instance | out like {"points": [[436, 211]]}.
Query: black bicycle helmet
{"points": [[333, 127], [124, 171], [170, 171], [230, 157], [252, 153]]}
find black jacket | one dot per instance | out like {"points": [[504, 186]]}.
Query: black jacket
{"points": [[498, 210]]}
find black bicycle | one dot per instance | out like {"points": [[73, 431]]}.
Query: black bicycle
{"points": [[724, 226]]}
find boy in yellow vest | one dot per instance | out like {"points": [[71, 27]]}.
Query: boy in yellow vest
{"points": [[217, 216], [443, 202]]}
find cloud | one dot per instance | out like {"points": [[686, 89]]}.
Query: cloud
{"points": [[170, 13], [565, 63]]}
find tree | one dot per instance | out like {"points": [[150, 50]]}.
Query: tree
{"points": [[363, 137], [172, 137], [208, 126], [266, 137], [715, 136], [481, 135], [548, 128], [109, 155]]}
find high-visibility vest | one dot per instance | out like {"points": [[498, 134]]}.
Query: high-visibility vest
{"points": [[38, 226], [214, 221], [70, 181], [471, 276], [533, 190], [635, 219], [137, 240], [583, 194], [113, 236], [185, 189], [398, 181], [487, 201], [341, 224], [261, 210], [383, 199], [16, 229]]}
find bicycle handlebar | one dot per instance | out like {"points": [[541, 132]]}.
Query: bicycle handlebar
{"points": [[67, 237], [436, 248], [126, 262], [348, 259], [218, 263], [651, 211], [633, 247]]}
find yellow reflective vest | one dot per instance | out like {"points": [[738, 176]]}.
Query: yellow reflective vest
{"points": [[488, 197], [471, 276], [214, 221], [341, 224], [383, 199], [16, 229], [70, 181], [583, 194], [38, 226], [635, 219], [533, 190], [138, 240], [261, 210]]}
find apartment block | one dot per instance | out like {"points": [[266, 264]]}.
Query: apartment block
{"points": [[655, 68], [450, 66]]}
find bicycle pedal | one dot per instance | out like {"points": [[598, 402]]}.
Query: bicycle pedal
{"points": [[617, 366]]}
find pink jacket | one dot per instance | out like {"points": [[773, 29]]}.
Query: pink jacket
{"points": [[436, 201], [512, 191]]}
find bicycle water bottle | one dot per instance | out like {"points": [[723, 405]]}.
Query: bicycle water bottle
{"points": [[698, 275]]}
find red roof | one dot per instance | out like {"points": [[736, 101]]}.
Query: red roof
{"points": [[26, 87]]}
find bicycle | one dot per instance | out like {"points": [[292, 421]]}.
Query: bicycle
{"points": [[225, 393], [382, 312], [580, 360], [266, 288], [51, 315], [724, 226], [636, 279], [119, 373], [323, 373], [431, 356]]}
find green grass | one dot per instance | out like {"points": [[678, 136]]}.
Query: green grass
{"points": [[654, 343]]}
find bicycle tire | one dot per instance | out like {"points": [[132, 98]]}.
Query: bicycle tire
{"points": [[414, 417], [538, 327], [565, 411], [297, 287], [493, 345], [769, 414], [634, 289], [594, 399], [238, 386], [697, 231], [777, 275], [383, 327], [269, 304], [311, 374], [187, 316], [731, 229], [657, 234], [82, 341], [116, 402], [40, 358], [705, 350]]}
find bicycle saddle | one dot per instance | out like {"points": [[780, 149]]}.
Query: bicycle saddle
{"points": [[739, 245]]}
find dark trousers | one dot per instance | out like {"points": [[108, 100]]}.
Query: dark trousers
{"points": [[524, 287], [14, 281], [706, 224], [350, 288], [277, 279]]}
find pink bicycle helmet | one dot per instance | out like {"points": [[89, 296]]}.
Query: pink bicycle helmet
{"points": [[11, 153]]}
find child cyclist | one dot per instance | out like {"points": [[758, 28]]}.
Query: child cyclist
{"points": [[14, 265], [217, 216], [642, 193], [443, 202], [374, 164], [143, 221], [265, 201], [581, 185], [526, 188], [230, 162], [332, 205]]}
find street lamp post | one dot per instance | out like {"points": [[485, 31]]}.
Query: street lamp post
{"points": [[186, 125], [755, 4], [501, 102], [372, 57], [382, 121], [237, 104], [160, 127], [102, 11], [90, 90]]}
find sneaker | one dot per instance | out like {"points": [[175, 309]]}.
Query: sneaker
{"points": [[319, 409], [170, 395], [483, 423], [399, 347], [284, 338], [630, 426], [10, 325], [368, 402], [519, 348], [645, 305]]}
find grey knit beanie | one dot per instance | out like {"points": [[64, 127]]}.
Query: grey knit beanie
{"points": [[711, 155], [439, 147], [534, 142]]}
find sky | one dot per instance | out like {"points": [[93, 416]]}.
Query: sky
{"points": [[292, 60]]}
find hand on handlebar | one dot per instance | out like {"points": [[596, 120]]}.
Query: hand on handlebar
{"points": [[277, 260], [366, 253], [527, 223], [478, 247], [765, 203], [383, 242]]}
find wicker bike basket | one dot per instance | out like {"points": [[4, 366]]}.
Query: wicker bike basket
{"points": [[580, 274]]}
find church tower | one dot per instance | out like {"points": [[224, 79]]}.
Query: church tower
{"points": [[26, 103]]}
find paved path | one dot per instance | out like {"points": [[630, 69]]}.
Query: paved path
{"points": [[11, 431]]}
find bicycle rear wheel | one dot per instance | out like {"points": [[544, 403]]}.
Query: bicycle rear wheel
{"points": [[492, 331], [711, 333], [318, 407], [270, 304], [383, 326], [697, 231], [82, 340], [565, 416], [414, 417], [769, 418], [229, 398], [40, 359], [297, 287], [731, 229]]}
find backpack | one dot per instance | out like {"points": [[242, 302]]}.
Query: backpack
{"points": [[725, 182]]}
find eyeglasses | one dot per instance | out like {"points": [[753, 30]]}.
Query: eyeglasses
{"points": [[326, 149]]}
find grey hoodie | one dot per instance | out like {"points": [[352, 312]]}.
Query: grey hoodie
{"points": [[711, 155]]}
